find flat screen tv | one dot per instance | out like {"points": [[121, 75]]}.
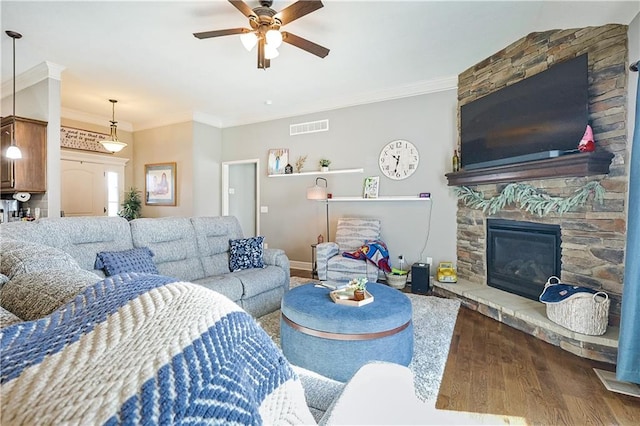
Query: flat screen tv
{"points": [[542, 116]]}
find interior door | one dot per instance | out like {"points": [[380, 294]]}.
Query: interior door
{"points": [[84, 189]]}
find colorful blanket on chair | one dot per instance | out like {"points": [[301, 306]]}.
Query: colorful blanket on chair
{"points": [[374, 251], [145, 349]]}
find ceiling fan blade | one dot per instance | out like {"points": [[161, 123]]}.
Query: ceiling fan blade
{"points": [[243, 8], [297, 10], [305, 44], [218, 33]]}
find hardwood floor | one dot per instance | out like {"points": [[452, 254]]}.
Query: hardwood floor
{"points": [[493, 368]]}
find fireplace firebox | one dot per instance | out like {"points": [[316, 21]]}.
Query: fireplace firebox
{"points": [[521, 256]]}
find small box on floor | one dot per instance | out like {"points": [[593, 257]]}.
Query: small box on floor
{"points": [[420, 278]]}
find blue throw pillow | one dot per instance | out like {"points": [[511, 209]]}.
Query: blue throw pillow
{"points": [[133, 260], [245, 253]]}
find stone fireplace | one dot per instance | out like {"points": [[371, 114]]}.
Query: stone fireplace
{"points": [[592, 236]]}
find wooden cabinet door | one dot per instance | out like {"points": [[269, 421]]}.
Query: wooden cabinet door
{"points": [[28, 174]]}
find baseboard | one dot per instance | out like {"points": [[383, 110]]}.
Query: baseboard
{"points": [[608, 379], [304, 266]]}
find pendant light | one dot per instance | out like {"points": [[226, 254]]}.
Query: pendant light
{"points": [[113, 144], [13, 152]]}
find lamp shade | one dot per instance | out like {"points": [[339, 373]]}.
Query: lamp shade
{"points": [[248, 40], [13, 152], [317, 192], [274, 38], [113, 145], [270, 52]]}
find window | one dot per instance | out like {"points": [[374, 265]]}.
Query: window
{"points": [[113, 201]]}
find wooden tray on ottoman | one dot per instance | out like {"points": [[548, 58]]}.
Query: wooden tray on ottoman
{"points": [[338, 296]]}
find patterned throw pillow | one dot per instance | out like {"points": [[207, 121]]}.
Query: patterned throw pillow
{"points": [[133, 260], [245, 253]]}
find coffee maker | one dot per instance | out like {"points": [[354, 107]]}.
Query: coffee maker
{"points": [[8, 210]]}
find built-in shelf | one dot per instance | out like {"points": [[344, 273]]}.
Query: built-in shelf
{"points": [[580, 164], [389, 198], [319, 172]]}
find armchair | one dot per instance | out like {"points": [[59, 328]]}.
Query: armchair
{"points": [[351, 234]]}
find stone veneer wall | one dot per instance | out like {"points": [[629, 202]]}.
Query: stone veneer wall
{"points": [[593, 236]]}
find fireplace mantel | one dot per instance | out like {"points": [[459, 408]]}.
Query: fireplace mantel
{"points": [[579, 164]]}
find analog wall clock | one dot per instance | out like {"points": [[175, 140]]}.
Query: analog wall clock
{"points": [[399, 159]]}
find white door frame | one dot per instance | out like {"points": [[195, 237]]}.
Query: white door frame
{"points": [[225, 187]]}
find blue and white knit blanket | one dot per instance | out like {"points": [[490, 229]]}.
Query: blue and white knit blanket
{"points": [[144, 349]]}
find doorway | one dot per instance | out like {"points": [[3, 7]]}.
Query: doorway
{"points": [[241, 194], [91, 185]]}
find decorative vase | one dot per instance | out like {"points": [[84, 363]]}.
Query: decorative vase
{"points": [[358, 295], [324, 168]]}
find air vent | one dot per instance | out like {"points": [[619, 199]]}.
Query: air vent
{"points": [[310, 127]]}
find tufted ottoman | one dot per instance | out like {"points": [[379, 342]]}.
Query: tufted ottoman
{"points": [[335, 340]]}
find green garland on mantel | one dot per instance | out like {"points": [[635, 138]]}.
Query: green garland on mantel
{"points": [[529, 198]]}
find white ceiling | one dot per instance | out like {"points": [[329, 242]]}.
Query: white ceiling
{"points": [[144, 54]]}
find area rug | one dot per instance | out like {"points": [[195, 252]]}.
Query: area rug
{"points": [[433, 321]]}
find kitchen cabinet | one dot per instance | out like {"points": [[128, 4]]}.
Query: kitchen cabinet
{"points": [[28, 174]]}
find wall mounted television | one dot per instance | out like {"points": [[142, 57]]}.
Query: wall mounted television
{"points": [[542, 116]]}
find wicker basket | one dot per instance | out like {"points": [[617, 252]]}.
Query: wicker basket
{"points": [[585, 313], [396, 281]]}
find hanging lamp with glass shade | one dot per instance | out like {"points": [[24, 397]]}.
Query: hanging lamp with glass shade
{"points": [[113, 144], [13, 152]]}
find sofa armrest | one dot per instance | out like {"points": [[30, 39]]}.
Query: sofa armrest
{"points": [[325, 251], [277, 257]]}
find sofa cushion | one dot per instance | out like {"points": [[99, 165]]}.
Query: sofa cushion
{"points": [[245, 253], [20, 257], [33, 295], [133, 260], [173, 242], [226, 284], [84, 237], [213, 235], [258, 281]]}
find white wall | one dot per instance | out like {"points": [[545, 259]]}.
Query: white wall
{"points": [[207, 152], [355, 139]]}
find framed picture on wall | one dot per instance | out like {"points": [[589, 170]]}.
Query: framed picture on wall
{"points": [[160, 184], [278, 160], [371, 187]]}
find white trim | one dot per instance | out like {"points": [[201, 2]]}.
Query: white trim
{"points": [[92, 158], [225, 187], [304, 266], [32, 76], [388, 198]]}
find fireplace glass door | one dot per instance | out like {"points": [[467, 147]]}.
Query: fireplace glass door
{"points": [[521, 256]]}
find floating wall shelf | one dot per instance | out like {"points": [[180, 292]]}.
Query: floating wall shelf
{"points": [[389, 198], [318, 172]]}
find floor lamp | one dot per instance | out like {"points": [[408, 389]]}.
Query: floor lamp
{"points": [[317, 192]]}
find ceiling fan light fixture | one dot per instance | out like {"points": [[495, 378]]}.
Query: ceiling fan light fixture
{"points": [[274, 38], [249, 40], [270, 52], [113, 144]]}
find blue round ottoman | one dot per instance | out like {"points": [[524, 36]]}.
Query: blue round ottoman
{"points": [[336, 340]]}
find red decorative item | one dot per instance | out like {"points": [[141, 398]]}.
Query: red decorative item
{"points": [[587, 144]]}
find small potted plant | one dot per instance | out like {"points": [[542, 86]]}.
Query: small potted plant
{"points": [[132, 205], [359, 286], [324, 164]]}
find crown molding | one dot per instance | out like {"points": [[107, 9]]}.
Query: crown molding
{"points": [[405, 91], [181, 117], [34, 75]]}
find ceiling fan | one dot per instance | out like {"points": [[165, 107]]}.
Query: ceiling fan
{"points": [[265, 29]]}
